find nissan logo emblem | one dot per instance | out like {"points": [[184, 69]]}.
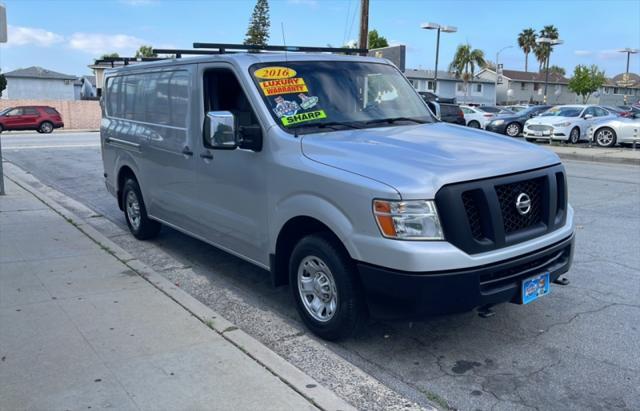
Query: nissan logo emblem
{"points": [[523, 203]]}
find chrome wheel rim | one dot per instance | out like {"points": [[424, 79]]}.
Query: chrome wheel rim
{"points": [[133, 210], [46, 127], [317, 289], [604, 137], [513, 130], [575, 136], [474, 124]]}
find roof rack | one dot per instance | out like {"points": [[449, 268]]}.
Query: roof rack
{"points": [[222, 48], [125, 60]]}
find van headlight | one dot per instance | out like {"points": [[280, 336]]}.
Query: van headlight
{"points": [[564, 124], [408, 220]]}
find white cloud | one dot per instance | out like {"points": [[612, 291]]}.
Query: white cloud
{"points": [[582, 53], [97, 43], [22, 36]]}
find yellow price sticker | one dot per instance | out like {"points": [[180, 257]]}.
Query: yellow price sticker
{"points": [[274, 73]]}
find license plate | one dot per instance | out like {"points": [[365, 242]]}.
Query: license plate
{"points": [[537, 133], [546, 133], [535, 287]]}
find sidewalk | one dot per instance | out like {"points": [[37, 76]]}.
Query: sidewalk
{"points": [[615, 155], [81, 329]]}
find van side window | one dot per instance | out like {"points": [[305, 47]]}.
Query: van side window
{"points": [[222, 92]]}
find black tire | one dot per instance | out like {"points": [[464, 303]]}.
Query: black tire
{"points": [[598, 136], [1, 128], [45, 127], [531, 140], [350, 311], [574, 135], [474, 124], [142, 227], [511, 127]]}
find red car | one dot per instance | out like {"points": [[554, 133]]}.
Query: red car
{"points": [[43, 119]]}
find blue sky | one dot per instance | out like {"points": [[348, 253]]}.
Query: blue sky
{"points": [[66, 35]]}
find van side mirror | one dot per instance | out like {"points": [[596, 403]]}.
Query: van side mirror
{"points": [[220, 130]]}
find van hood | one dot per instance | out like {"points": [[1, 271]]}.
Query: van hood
{"points": [[418, 160]]}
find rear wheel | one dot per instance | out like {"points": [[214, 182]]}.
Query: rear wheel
{"points": [[46, 127], [513, 129], [140, 225], [605, 137], [574, 136], [474, 124], [325, 287]]}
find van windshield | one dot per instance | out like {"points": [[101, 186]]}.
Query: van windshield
{"points": [[337, 95]]}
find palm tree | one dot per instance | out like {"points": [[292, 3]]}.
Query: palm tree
{"points": [[465, 62], [543, 50], [527, 42]]}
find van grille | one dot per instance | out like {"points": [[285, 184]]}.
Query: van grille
{"points": [[480, 216]]}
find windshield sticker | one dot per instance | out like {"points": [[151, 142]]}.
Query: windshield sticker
{"points": [[284, 86], [303, 117], [274, 73], [307, 102], [285, 107]]}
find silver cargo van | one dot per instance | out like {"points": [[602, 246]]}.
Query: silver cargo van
{"points": [[330, 172]]}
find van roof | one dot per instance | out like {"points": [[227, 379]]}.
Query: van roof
{"points": [[244, 60]]}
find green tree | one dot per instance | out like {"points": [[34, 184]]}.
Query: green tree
{"points": [[258, 31], [376, 41], [543, 50], [107, 55], [557, 70], [465, 62], [145, 51], [527, 42], [3, 83], [586, 81]]}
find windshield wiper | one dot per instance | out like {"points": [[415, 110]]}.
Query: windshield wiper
{"points": [[394, 119], [334, 125]]}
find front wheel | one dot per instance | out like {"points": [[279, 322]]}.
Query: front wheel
{"points": [[325, 287], [574, 136], [605, 137], [474, 124], [513, 129], [140, 225]]}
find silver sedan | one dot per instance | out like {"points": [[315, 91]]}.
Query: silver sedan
{"points": [[619, 130]]}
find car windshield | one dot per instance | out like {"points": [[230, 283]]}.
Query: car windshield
{"points": [[562, 112], [490, 109], [4, 111], [532, 109], [305, 96]]}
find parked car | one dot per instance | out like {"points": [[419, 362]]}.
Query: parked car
{"points": [[564, 123], [619, 111], [43, 119], [513, 124], [443, 108], [364, 205], [621, 130], [477, 117]]}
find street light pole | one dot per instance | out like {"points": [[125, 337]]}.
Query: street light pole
{"points": [[626, 74], [548, 42], [439, 28], [495, 100]]}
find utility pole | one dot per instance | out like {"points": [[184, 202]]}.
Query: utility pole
{"points": [[626, 83], [364, 24]]}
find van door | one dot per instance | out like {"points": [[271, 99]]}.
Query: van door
{"points": [[233, 190]]}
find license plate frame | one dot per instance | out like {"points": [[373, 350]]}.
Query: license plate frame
{"points": [[532, 288], [537, 133]]}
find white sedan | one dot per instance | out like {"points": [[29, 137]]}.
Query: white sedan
{"points": [[619, 130], [476, 117], [565, 123]]}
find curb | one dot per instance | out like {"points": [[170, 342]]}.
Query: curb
{"points": [[599, 159], [297, 380]]}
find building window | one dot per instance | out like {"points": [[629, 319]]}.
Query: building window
{"points": [[478, 88], [413, 83], [460, 87], [66, 82], [523, 85], [615, 90], [430, 85], [536, 86]]}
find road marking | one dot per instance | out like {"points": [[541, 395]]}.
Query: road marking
{"points": [[51, 146]]}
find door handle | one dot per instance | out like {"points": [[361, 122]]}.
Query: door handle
{"points": [[187, 151], [206, 155]]}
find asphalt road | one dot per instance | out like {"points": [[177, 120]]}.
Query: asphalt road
{"points": [[575, 349]]}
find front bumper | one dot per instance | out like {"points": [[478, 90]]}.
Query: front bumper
{"points": [[399, 294], [502, 128], [555, 133]]}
